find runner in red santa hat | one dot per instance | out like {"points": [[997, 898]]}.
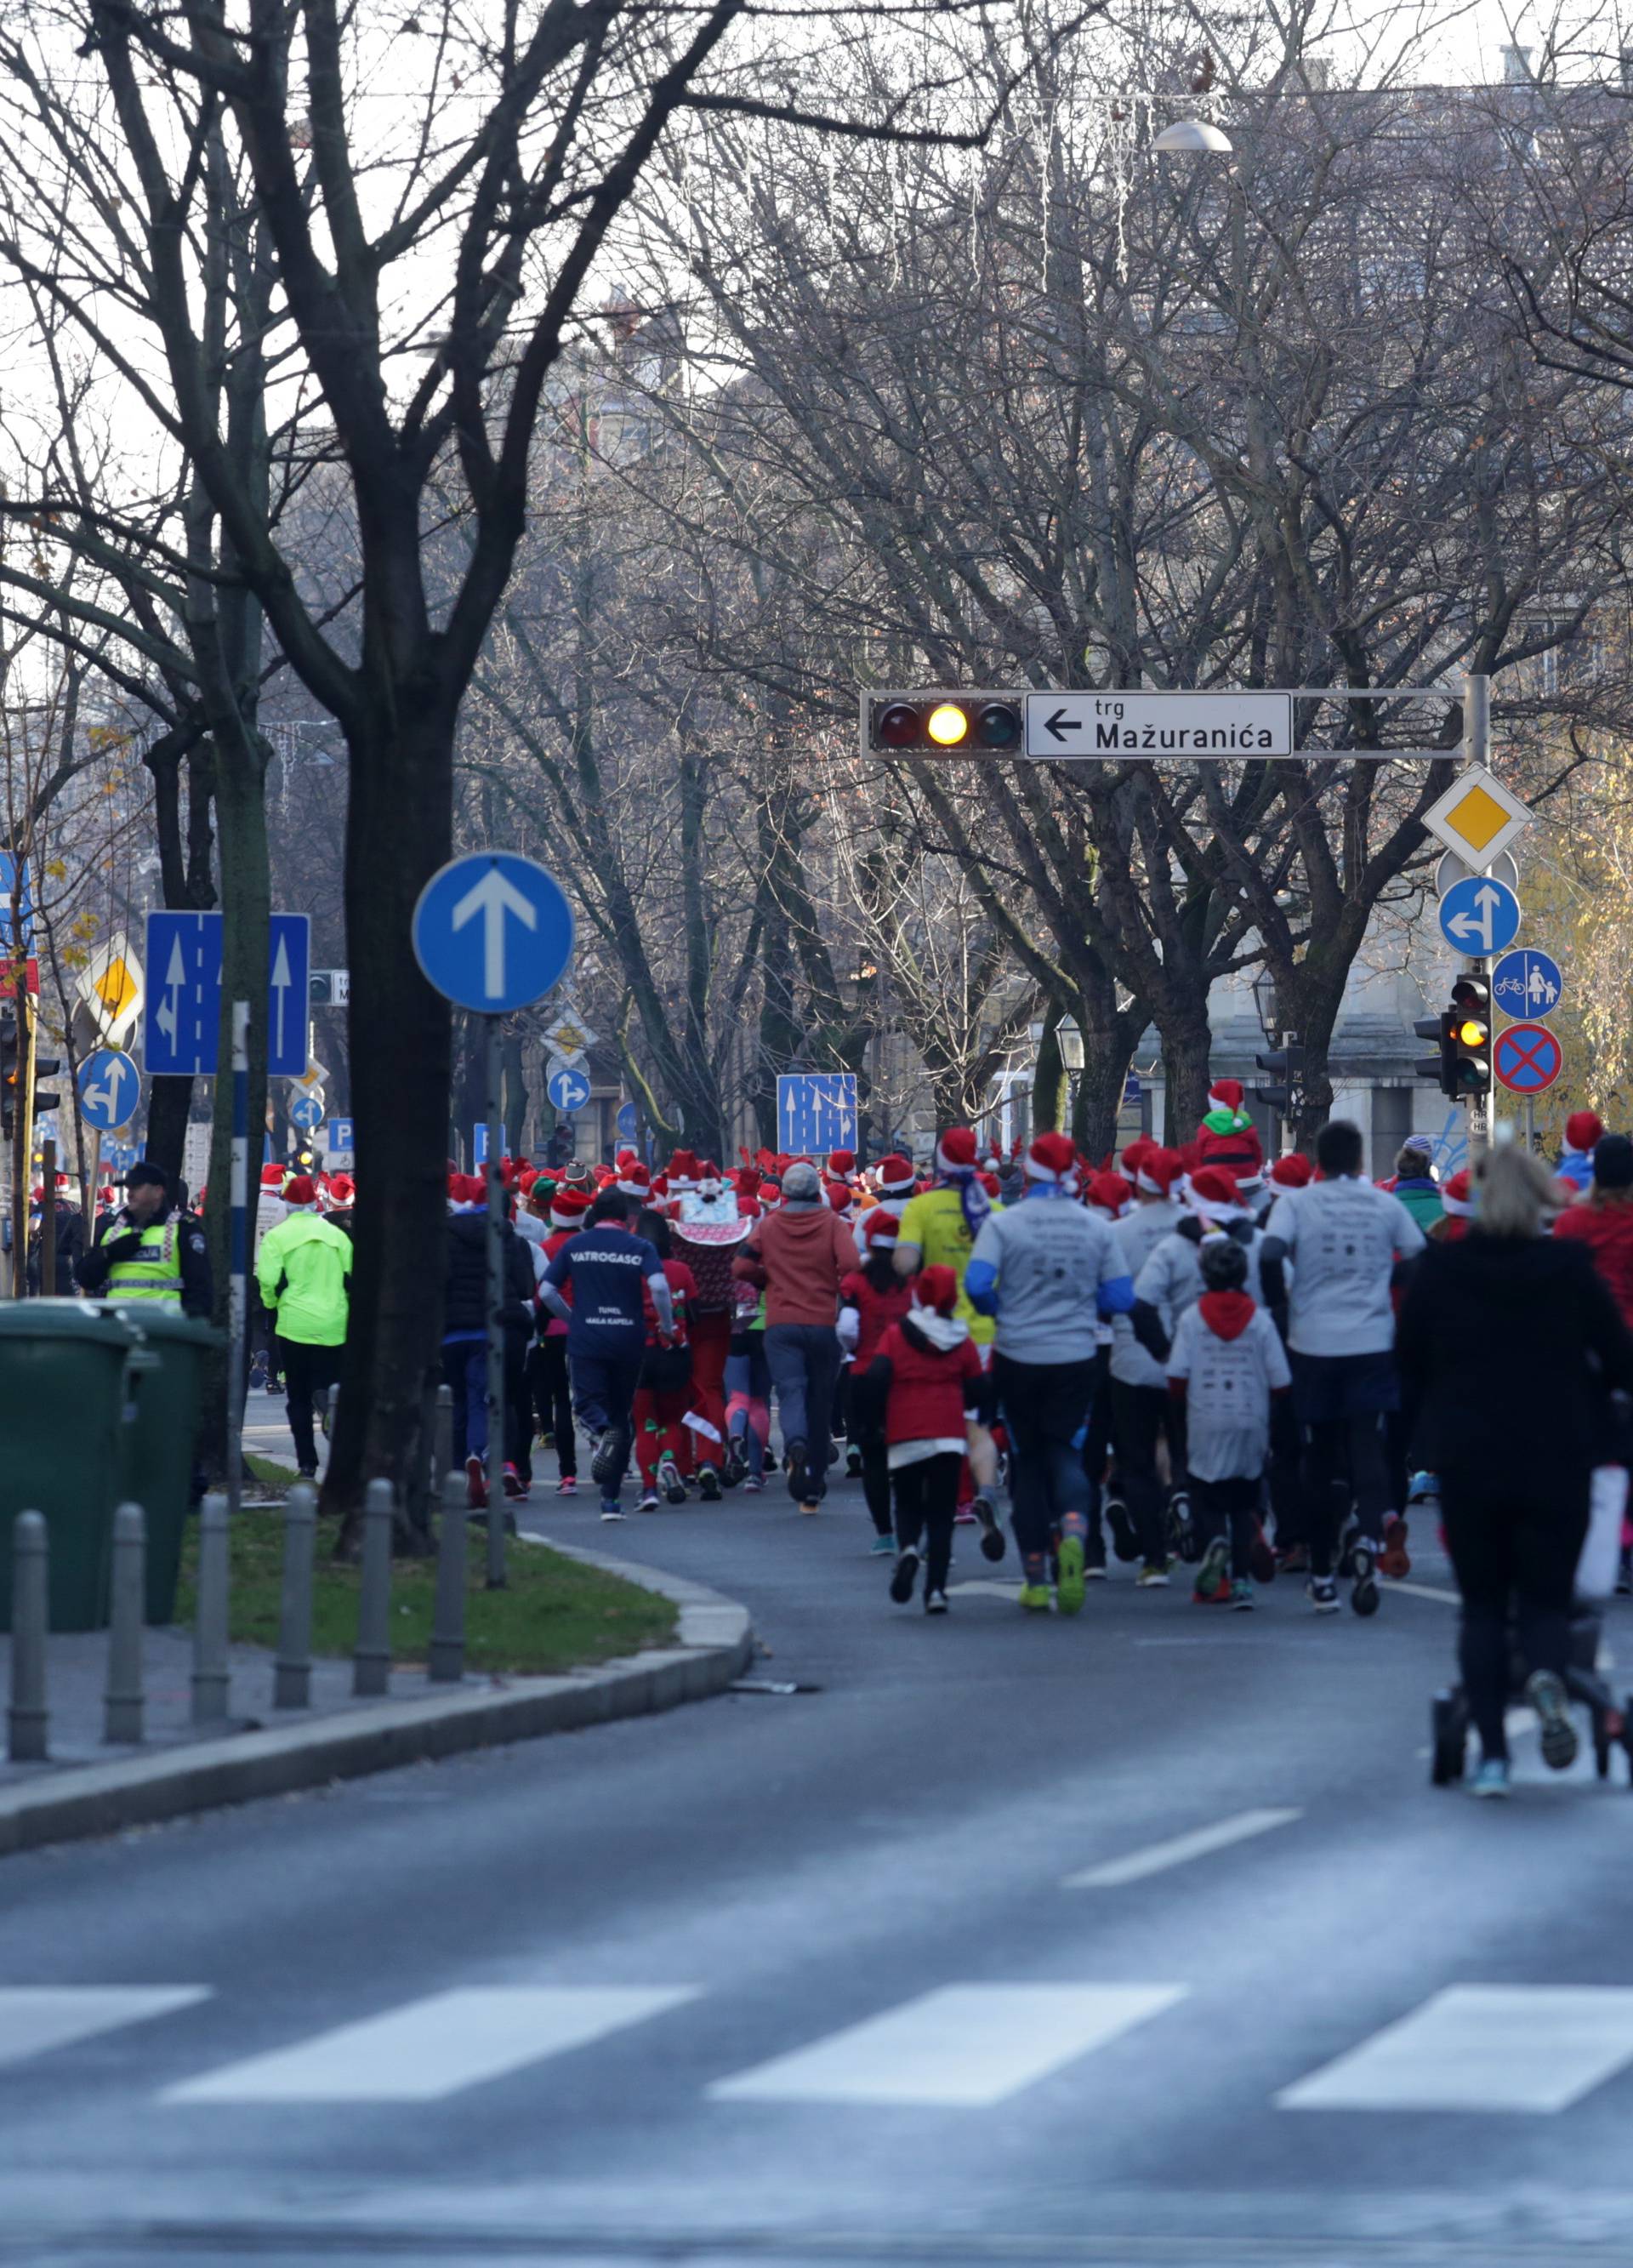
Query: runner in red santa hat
{"points": [[549, 1384], [871, 1298], [1227, 1136], [709, 1228], [895, 1181]]}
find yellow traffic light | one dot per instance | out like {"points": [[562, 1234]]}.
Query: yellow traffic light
{"points": [[947, 724], [1473, 1035]]}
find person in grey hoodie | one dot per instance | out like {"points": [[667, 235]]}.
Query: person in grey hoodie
{"points": [[800, 1255], [1142, 1411]]}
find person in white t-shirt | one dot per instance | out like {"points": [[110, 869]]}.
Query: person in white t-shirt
{"points": [[1346, 1240]]}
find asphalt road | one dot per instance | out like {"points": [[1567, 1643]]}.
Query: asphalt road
{"points": [[1136, 1938]]}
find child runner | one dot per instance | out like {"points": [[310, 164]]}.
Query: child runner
{"points": [[928, 1376], [1225, 1363]]}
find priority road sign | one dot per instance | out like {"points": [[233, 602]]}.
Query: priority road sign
{"points": [[306, 1112], [1528, 982], [817, 1110], [1480, 916], [493, 931], [570, 1039], [110, 1087], [1477, 817], [1526, 1058], [569, 1090], [182, 1011]]}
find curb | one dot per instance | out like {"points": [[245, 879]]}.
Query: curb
{"points": [[714, 1644]]}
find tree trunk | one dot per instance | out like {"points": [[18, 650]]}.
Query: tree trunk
{"points": [[1048, 1077], [399, 831], [1186, 1045], [1109, 1039]]}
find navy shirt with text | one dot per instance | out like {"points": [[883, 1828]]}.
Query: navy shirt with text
{"points": [[607, 1268]]}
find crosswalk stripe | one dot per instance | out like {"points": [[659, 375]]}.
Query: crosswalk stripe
{"points": [[34, 2018], [1156, 1857], [436, 2046], [965, 2045], [1482, 2047]]}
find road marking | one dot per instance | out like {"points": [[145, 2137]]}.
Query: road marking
{"points": [[963, 2047], [1424, 1591], [1156, 1857], [1483, 2047], [36, 2018], [434, 2047]]}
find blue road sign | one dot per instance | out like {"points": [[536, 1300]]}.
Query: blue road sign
{"points": [[119, 1157], [816, 1110], [1480, 916], [493, 931], [628, 1124], [337, 1137], [183, 1012], [8, 878], [110, 1087], [1527, 983], [479, 1145], [306, 1112], [1526, 1058], [568, 1090]]}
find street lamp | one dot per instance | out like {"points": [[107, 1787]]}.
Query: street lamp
{"points": [[1191, 137], [1071, 1039], [1263, 990]]}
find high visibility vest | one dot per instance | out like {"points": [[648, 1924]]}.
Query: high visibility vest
{"points": [[153, 1275]]}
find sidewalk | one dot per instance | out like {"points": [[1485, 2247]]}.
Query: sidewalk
{"points": [[90, 1788]]}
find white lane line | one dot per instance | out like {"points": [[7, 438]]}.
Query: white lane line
{"points": [[1422, 1591], [36, 2018], [1483, 2047], [962, 2047], [434, 2047], [1156, 1857]]}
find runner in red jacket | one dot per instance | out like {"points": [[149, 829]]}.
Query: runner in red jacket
{"points": [[929, 1375], [870, 1299]]}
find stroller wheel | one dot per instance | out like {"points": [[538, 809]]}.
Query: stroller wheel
{"points": [[1449, 1735]]}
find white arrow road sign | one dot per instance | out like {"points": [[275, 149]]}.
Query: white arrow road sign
{"points": [[175, 985], [281, 983], [493, 897]]}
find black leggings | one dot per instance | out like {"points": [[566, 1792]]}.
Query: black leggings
{"points": [[1140, 1417], [1515, 1547], [1228, 1507], [1046, 1406], [875, 1478], [1343, 1458], [927, 1496], [550, 1391]]}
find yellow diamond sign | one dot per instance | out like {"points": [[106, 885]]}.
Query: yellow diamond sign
{"points": [[1478, 818]]}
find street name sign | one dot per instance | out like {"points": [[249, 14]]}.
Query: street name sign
{"points": [[493, 931], [1480, 916], [817, 1110], [1528, 982], [1477, 817], [182, 1011], [1109, 725], [1526, 1058], [110, 1087]]}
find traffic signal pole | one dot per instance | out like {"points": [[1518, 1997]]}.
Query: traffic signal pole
{"points": [[1477, 750]]}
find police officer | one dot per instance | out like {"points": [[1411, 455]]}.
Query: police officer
{"points": [[149, 1253]]}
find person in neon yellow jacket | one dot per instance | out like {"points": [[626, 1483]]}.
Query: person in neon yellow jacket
{"points": [[303, 1268]]}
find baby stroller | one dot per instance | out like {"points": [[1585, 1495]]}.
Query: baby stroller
{"points": [[1610, 1723]]}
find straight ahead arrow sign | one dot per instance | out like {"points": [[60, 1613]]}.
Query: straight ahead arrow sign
{"points": [[493, 897]]}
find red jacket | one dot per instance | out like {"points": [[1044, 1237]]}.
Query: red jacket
{"points": [[876, 1310], [1240, 1152], [928, 1387], [801, 1255], [1606, 1230]]}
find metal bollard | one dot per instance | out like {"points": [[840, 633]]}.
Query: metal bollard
{"points": [[442, 1439], [291, 1672], [210, 1619], [122, 1703], [370, 1670], [447, 1647], [27, 1727]]}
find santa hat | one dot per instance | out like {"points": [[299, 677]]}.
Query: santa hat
{"points": [[634, 1180], [1225, 1094], [272, 1177], [1458, 1195], [842, 1162], [1156, 1170], [1133, 1152], [1108, 1193], [342, 1188], [528, 1175], [1291, 1171], [568, 1208], [300, 1191], [625, 1157], [660, 1187], [1214, 1194], [955, 1153], [1585, 1131], [879, 1228], [840, 1195], [683, 1170], [896, 1176], [710, 1178], [1053, 1158], [937, 1288], [747, 1179]]}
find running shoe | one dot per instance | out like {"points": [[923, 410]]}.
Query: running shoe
{"points": [[794, 1465], [1070, 1580], [1241, 1595], [853, 1460], [567, 1484], [649, 1501], [476, 1481], [1035, 1598], [709, 1483], [1546, 1693], [513, 1483], [1292, 1560], [610, 1509], [668, 1479], [611, 1452], [1153, 1576], [935, 1602], [1421, 1487], [1125, 1542], [1490, 1778], [736, 1462], [903, 1577], [752, 1483], [1395, 1560], [965, 1516], [991, 1534], [325, 1417], [1213, 1575], [1323, 1593], [883, 1547], [1363, 1575]]}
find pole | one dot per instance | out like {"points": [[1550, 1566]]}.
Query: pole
{"points": [[291, 1672], [1476, 718], [48, 1218], [1531, 1126], [210, 1671], [122, 1705], [446, 1663], [30, 1592], [238, 1254], [496, 1323], [23, 1130], [371, 1668]]}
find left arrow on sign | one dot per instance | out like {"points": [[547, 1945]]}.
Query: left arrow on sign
{"points": [[493, 897], [1059, 725]]}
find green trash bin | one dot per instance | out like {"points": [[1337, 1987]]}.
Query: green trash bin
{"points": [[63, 1366], [164, 1392]]}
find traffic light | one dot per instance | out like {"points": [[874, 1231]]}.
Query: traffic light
{"points": [[943, 724], [45, 1067], [10, 1072], [1470, 1016], [563, 1142], [1286, 1065], [321, 988]]}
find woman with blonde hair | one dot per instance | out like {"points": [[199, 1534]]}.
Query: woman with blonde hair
{"points": [[1508, 1300]]}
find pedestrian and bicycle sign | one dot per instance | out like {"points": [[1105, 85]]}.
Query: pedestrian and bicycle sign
{"points": [[569, 1090], [182, 1011], [492, 931], [110, 1087], [1526, 1058], [1480, 916], [817, 1110], [1528, 982]]}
